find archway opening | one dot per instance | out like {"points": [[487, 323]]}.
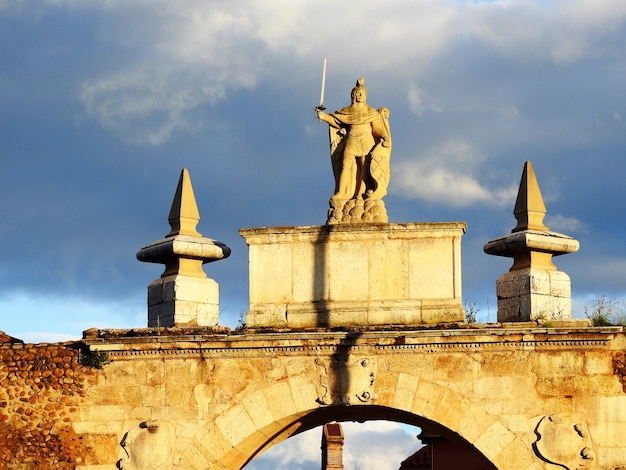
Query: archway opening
{"points": [[430, 431], [379, 445]]}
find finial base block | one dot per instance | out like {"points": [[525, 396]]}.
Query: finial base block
{"points": [[183, 300], [533, 294]]}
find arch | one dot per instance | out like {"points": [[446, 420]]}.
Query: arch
{"points": [[275, 433], [281, 409]]}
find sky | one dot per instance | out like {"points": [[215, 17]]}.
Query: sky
{"points": [[377, 445], [103, 103]]}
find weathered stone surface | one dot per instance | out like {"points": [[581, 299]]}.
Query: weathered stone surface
{"points": [[214, 401], [531, 294], [533, 288], [563, 439], [183, 295], [41, 392], [183, 300], [349, 275]]}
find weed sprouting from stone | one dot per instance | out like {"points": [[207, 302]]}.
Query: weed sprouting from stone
{"points": [[606, 312]]}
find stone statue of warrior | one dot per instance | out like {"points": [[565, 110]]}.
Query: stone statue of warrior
{"points": [[360, 147]]}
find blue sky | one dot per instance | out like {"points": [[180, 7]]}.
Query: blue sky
{"points": [[104, 102]]}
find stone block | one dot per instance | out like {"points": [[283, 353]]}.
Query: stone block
{"points": [[521, 454], [235, 424], [610, 434], [494, 440], [427, 398], [256, 406], [564, 364], [611, 457], [474, 422], [183, 300], [607, 409], [303, 392], [504, 387], [405, 391], [530, 294], [340, 275], [451, 409], [279, 399]]}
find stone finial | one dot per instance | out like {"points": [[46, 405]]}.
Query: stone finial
{"points": [[183, 295], [184, 215], [531, 243], [529, 207], [533, 288]]}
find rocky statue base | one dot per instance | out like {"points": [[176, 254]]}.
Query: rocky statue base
{"points": [[355, 275], [354, 211]]}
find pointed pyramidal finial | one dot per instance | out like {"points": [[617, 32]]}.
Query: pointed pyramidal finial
{"points": [[529, 207], [533, 287], [184, 215], [183, 295]]}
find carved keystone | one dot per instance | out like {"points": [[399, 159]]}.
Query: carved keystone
{"points": [[345, 380]]}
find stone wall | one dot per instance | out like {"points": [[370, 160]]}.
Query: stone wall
{"points": [[517, 393], [185, 398], [42, 387]]}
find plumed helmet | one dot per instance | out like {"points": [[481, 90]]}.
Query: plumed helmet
{"points": [[359, 86]]}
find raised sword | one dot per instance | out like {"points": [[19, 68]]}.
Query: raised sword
{"points": [[321, 105]]}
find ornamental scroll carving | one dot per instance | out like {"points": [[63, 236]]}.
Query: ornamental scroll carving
{"points": [[563, 440], [146, 447], [345, 380]]}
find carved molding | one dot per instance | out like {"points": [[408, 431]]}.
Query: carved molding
{"points": [[149, 446], [195, 349]]}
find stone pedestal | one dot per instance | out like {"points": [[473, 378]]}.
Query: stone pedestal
{"points": [[184, 295], [533, 294], [533, 289], [355, 275], [183, 300]]}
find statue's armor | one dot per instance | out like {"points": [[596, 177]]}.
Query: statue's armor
{"points": [[359, 140]]}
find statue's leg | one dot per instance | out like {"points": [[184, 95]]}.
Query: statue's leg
{"points": [[359, 182], [347, 179]]}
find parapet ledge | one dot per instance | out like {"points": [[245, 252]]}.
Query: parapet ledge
{"points": [[455, 335], [286, 234]]}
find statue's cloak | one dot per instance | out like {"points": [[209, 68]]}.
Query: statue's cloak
{"points": [[356, 115], [376, 175]]}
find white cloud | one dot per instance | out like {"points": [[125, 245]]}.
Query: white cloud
{"points": [[61, 319], [46, 337], [192, 53], [565, 225], [447, 174], [420, 101], [509, 112], [373, 445], [564, 31], [158, 99], [183, 55]]}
